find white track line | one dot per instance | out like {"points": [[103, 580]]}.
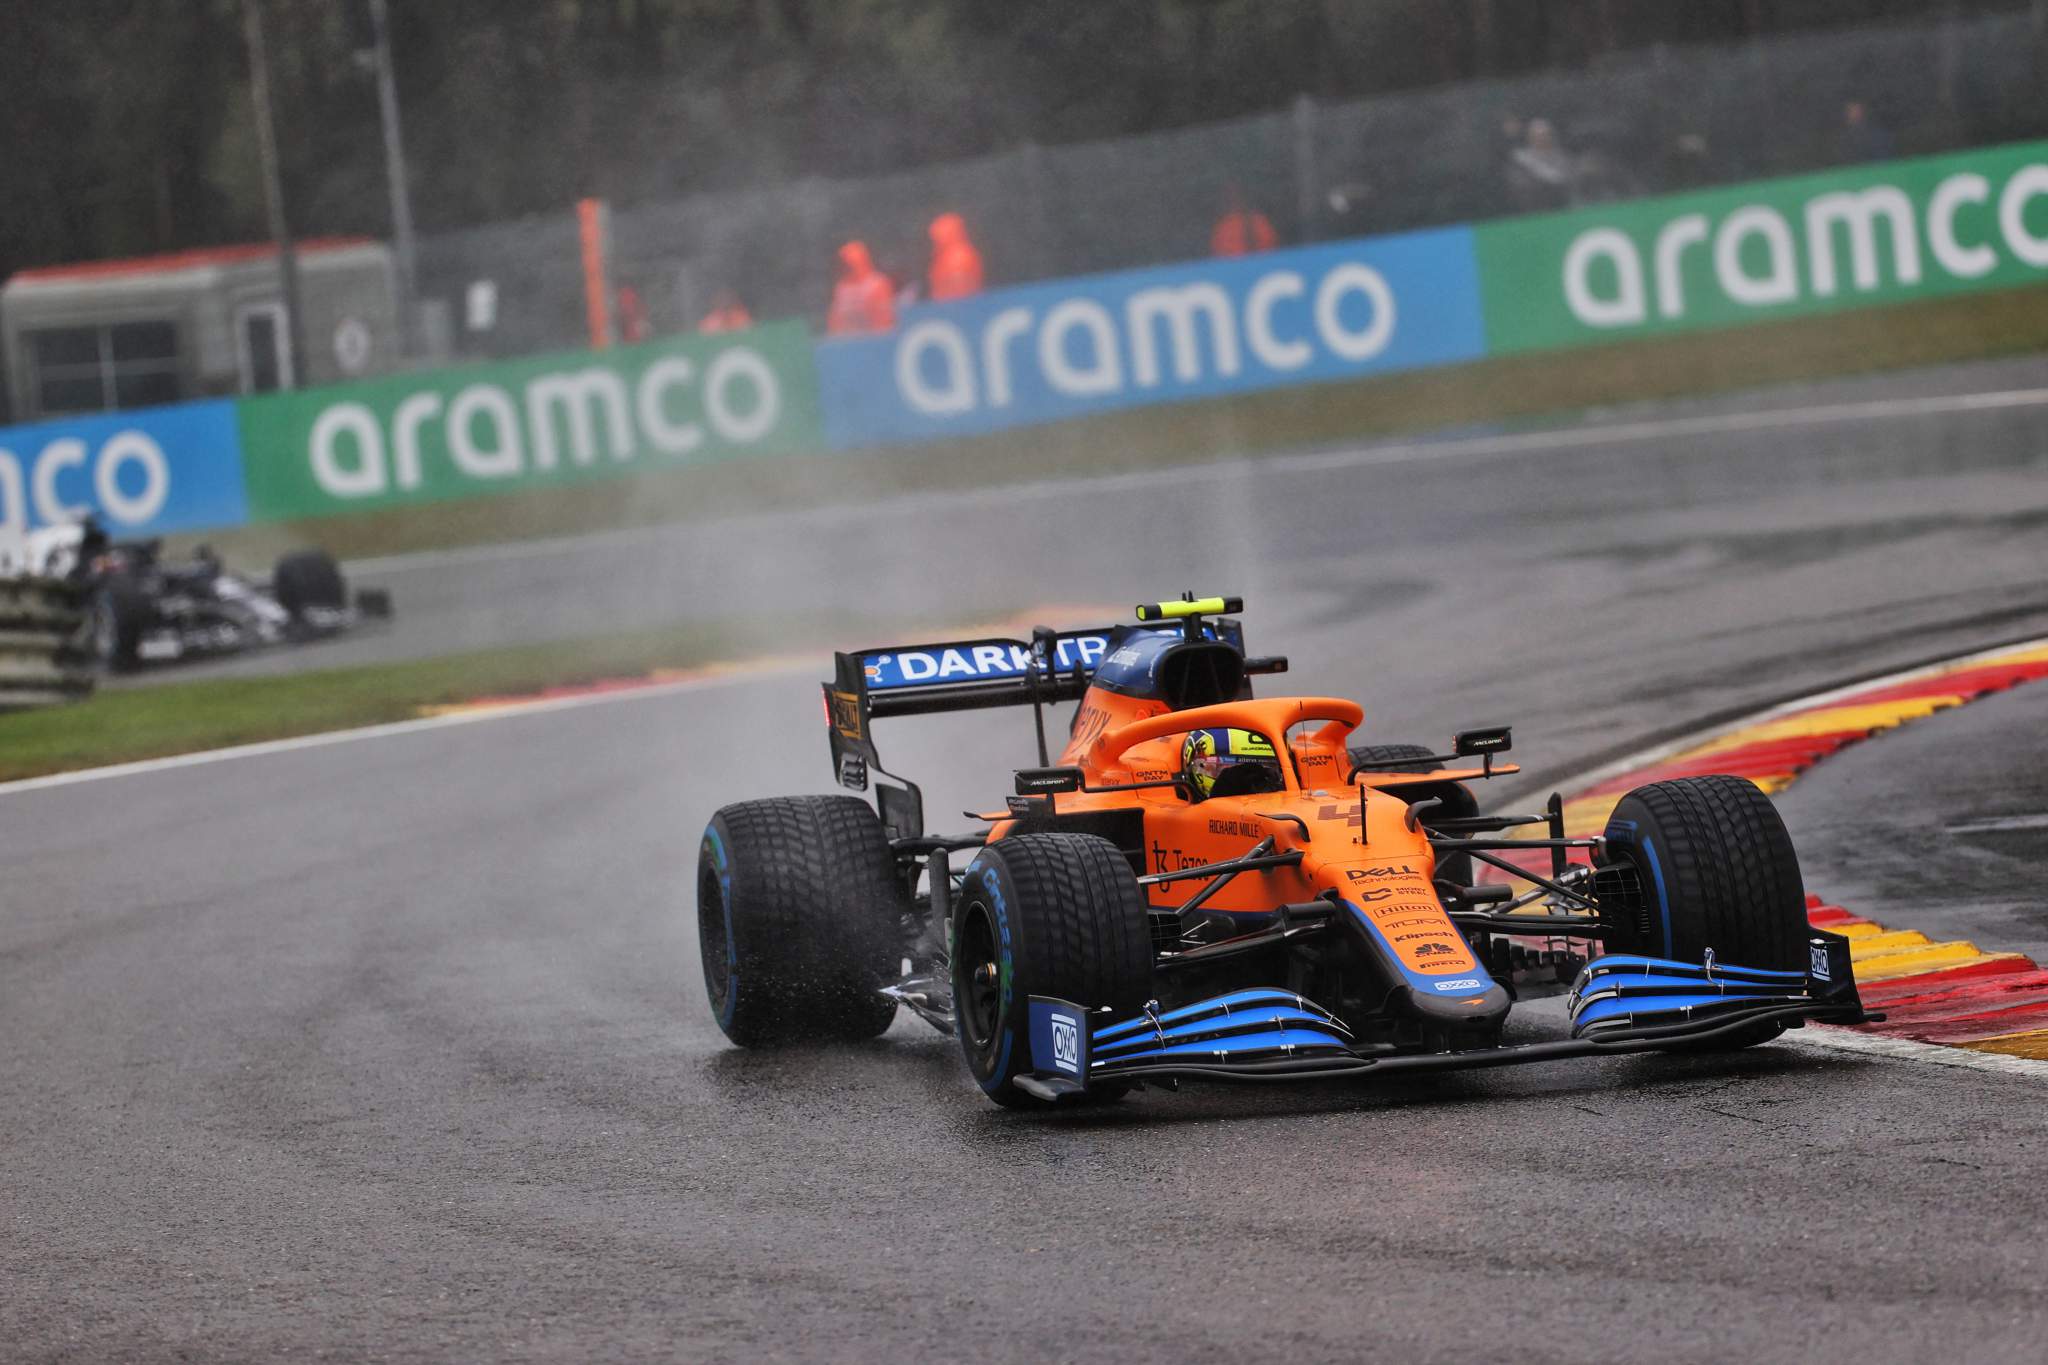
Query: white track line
{"points": [[1349, 457], [407, 727], [1907, 1050], [1825, 1038]]}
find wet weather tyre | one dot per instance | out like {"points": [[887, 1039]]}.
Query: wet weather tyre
{"points": [[1456, 797], [119, 614], [1711, 867], [1057, 915], [308, 578], [799, 920]]}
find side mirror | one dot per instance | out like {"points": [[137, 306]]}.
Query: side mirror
{"points": [[1488, 739], [1043, 781]]}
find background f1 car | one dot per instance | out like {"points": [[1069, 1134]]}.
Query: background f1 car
{"points": [[1116, 923], [142, 607]]}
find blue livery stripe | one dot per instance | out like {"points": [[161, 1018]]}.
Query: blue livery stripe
{"points": [[1615, 964], [1655, 987], [1616, 1009], [1237, 1021], [1239, 1048], [1221, 1004]]}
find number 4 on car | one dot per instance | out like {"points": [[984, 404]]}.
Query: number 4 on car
{"points": [[1205, 885]]}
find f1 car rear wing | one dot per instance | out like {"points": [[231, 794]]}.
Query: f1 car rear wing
{"points": [[955, 675], [968, 675]]}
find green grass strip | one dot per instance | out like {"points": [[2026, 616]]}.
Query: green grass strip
{"points": [[123, 725]]}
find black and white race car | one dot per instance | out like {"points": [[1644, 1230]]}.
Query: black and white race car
{"points": [[144, 608]]}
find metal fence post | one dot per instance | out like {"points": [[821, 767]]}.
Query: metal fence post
{"points": [[400, 187], [1951, 57], [821, 238], [1307, 184], [1483, 46], [295, 375], [1045, 252]]}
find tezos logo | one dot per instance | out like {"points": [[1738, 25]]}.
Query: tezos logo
{"points": [[1066, 1043]]}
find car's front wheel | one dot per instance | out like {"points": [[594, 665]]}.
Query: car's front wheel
{"points": [[1704, 864], [306, 582], [119, 613], [1057, 915]]}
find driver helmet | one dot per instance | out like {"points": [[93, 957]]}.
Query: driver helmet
{"points": [[1222, 762]]}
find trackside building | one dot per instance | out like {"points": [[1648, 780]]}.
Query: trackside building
{"points": [[114, 335]]}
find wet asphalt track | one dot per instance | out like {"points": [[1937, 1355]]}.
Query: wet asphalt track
{"points": [[397, 1048], [1944, 825]]}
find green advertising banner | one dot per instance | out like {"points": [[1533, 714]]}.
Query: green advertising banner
{"points": [[538, 422], [1853, 238]]}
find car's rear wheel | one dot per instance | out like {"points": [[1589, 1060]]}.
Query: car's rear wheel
{"points": [[1704, 863], [799, 919], [1454, 798], [1057, 915]]}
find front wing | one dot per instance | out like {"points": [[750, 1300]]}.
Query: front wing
{"points": [[1618, 1004]]}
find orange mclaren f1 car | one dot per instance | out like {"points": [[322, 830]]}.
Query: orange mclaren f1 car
{"points": [[1205, 885]]}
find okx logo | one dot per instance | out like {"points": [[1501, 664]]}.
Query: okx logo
{"points": [[1058, 1039], [1066, 1043]]}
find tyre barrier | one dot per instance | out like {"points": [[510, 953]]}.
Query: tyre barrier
{"points": [[42, 658]]}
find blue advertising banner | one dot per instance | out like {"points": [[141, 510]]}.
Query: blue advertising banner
{"points": [[144, 473], [1043, 352]]}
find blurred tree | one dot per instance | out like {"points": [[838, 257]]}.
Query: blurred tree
{"points": [[127, 122]]}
